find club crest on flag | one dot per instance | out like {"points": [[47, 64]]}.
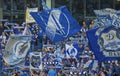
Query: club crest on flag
{"points": [[57, 23], [35, 60], [20, 48], [71, 52], [55, 17], [110, 39], [105, 43], [16, 49]]}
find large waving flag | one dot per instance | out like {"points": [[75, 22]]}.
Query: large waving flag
{"points": [[105, 43], [108, 16], [29, 18], [57, 23]]}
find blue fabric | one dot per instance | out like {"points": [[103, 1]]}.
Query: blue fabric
{"points": [[102, 42], [1, 74], [109, 74], [45, 57], [118, 70], [52, 73], [80, 50], [57, 23], [24, 74]]}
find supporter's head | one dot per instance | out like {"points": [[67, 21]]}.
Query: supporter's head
{"points": [[28, 25], [51, 66], [91, 56], [59, 73], [1, 24], [118, 63], [111, 63], [91, 24], [83, 23], [86, 48], [48, 42], [80, 45], [96, 74], [42, 73], [51, 56], [45, 60], [18, 73]]}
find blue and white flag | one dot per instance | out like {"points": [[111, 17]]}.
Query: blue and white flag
{"points": [[57, 23], [29, 18], [108, 17], [16, 49], [91, 64], [71, 51], [35, 60], [105, 43]]}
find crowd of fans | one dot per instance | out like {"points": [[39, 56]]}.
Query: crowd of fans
{"points": [[54, 59]]}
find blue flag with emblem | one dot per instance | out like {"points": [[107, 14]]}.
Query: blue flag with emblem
{"points": [[57, 23], [72, 51], [108, 17], [16, 49], [105, 43]]}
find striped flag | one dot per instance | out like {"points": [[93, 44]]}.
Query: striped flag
{"points": [[91, 64], [57, 23]]}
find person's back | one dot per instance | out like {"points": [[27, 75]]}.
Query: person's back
{"points": [[52, 72]]}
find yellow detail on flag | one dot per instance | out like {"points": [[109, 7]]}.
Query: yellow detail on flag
{"points": [[29, 18]]}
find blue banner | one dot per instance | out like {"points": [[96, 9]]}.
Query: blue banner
{"points": [[57, 23], [105, 43], [108, 17]]}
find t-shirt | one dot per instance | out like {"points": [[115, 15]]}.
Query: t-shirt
{"points": [[52, 73]]}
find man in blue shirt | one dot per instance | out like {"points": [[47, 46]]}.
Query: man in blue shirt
{"points": [[52, 72]]}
